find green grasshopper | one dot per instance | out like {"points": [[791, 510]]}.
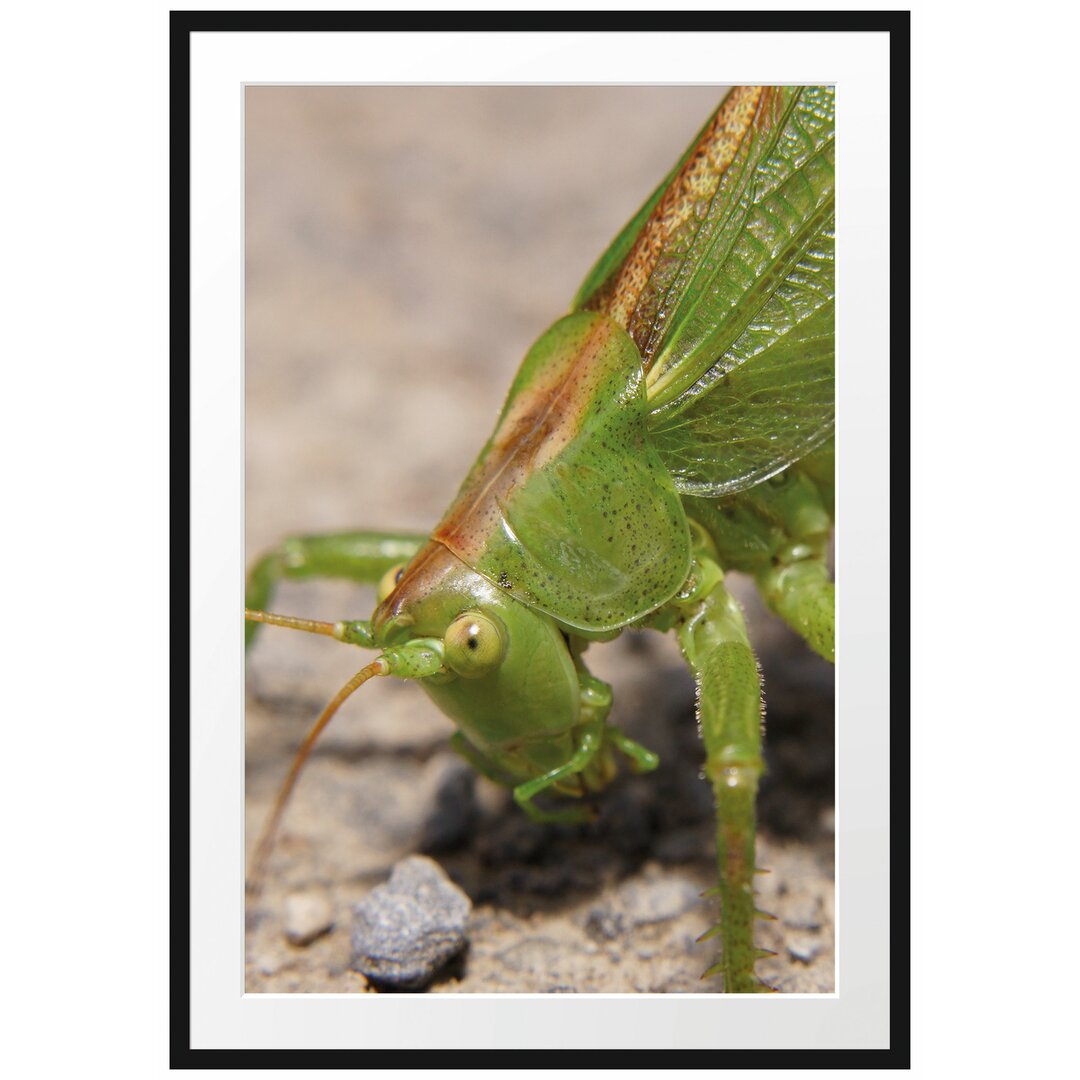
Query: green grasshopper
{"points": [[674, 426]]}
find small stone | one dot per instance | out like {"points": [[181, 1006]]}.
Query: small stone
{"points": [[603, 925], [657, 901], [267, 964], [406, 929], [804, 949], [539, 956], [656, 897], [307, 916]]}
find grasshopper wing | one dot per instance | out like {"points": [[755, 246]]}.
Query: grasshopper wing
{"points": [[725, 283]]}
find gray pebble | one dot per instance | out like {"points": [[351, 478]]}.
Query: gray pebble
{"points": [[804, 949], [307, 916], [603, 925], [267, 963], [657, 901], [407, 928]]}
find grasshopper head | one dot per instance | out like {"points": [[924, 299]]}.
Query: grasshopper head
{"points": [[510, 684], [500, 670]]}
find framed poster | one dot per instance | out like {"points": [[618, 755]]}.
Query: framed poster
{"points": [[382, 221]]}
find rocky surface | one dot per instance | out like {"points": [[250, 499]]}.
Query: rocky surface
{"points": [[405, 246]]}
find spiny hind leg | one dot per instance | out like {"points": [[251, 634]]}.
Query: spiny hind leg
{"points": [[713, 638], [362, 557]]}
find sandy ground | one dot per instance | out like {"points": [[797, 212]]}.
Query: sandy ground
{"points": [[405, 246]]}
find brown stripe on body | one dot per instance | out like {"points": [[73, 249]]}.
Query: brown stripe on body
{"points": [[619, 296], [541, 419], [421, 577]]}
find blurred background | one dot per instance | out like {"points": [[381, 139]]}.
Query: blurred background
{"points": [[405, 246]]}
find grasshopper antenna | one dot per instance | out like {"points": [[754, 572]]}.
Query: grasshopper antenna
{"points": [[312, 626], [378, 666], [355, 632]]}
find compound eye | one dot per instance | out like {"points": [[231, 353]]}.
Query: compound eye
{"points": [[474, 644], [389, 581]]}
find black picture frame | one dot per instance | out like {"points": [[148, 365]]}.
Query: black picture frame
{"points": [[896, 25]]}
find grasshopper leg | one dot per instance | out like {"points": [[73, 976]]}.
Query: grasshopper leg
{"points": [[642, 760], [362, 557], [592, 740], [524, 793], [802, 594], [713, 638]]}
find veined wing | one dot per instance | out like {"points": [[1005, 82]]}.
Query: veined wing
{"points": [[727, 290]]}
